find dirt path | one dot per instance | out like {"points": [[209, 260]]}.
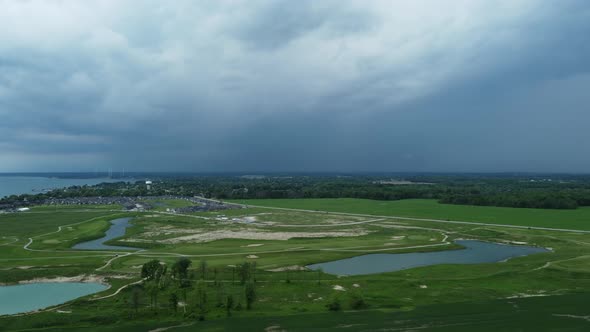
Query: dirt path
{"points": [[117, 291], [9, 243], [117, 257], [162, 329]]}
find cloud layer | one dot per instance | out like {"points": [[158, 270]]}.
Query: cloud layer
{"points": [[294, 85]]}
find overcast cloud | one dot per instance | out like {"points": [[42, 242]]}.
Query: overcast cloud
{"points": [[295, 85]]}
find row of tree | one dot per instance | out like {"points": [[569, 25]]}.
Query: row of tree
{"points": [[557, 192], [179, 287]]}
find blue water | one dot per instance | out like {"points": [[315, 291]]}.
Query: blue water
{"points": [[17, 185], [475, 252], [29, 297], [118, 227]]}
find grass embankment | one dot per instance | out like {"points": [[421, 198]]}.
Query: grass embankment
{"points": [[578, 219]]}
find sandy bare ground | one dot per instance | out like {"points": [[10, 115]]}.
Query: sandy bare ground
{"points": [[289, 268], [257, 235], [81, 278]]}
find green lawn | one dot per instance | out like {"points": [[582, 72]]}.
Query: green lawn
{"points": [[423, 208]]}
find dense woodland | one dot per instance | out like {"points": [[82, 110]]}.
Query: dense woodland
{"points": [[522, 191]]}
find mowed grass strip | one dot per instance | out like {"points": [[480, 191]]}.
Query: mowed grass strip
{"points": [[578, 219]]}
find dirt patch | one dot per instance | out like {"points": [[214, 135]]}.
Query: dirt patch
{"points": [[80, 278], [252, 256], [257, 235], [289, 268]]}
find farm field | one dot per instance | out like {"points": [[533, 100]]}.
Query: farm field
{"points": [[276, 245]]}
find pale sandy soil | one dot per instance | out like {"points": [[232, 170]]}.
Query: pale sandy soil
{"points": [[257, 235], [288, 268], [339, 288], [80, 278]]}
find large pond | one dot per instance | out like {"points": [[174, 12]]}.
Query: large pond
{"points": [[117, 229], [17, 185], [475, 252], [29, 297]]}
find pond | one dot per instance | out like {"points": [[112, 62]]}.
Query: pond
{"points": [[475, 252], [118, 227], [29, 297]]}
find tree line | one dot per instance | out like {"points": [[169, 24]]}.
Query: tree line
{"points": [[525, 191]]}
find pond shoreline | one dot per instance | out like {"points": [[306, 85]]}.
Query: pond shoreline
{"points": [[472, 252], [93, 280], [84, 278]]}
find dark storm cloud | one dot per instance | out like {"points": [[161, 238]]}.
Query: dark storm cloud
{"points": [[295, 86], [278, 23]]}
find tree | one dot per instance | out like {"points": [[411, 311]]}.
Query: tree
{"points": [[357, 301], [202, 299], [229, 304], [152, 270], [203, 269], [136, 298], [153, 290], [244, 271], [185, 285], [180, 268], [250, 292], [334, 304], [173, 300]]}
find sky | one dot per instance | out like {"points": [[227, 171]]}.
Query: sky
{"points": [[303, 86]]}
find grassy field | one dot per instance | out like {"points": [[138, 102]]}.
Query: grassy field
{"points": [[422, 208], [546, 291]]}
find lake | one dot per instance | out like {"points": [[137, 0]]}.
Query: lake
{"points": [[28, 297], [17, 185], [475, 252], [117, 229]]}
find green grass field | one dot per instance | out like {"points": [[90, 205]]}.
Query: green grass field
{"points": [[422, 208]]}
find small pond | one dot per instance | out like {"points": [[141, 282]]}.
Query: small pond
{"points": [[475, 252], [29, 297], [118, 227]]}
